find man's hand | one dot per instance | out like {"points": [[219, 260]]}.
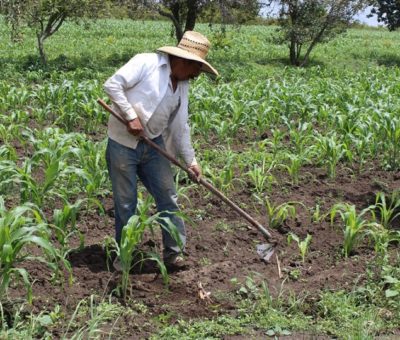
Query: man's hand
{"points": [[135, 127], [195, 171]]}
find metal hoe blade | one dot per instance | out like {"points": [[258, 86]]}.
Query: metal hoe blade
{"points": [[265, 251]]}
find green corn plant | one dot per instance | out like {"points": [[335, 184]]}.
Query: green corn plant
{"points": [[8, 152], [10, 132], [15, 97], [93, 183], [52, 144], [31, 189], [91, 159], [228, 178], [387, 211], [330, 152], [278, 214], [355, 226], [19, 228], [94, 115], [382, 237], [261, 177], [390, 125], [7, 173], [224, 129], [64, 224], [300, 136], [132, 235], [144, 209], [144, 205], [303, 245], [276, 142], [68, 119], [294, 166], [20, 116], [362, 145], [316, 214], [219, 157], [182, 190], [224, 179]]}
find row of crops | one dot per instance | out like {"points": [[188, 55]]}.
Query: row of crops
{"points": [[253, 131]]}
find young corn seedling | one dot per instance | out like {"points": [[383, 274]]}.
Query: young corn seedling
{"points": [[10, 132], [8, 173], [330, 152], [132, 235], [182, 190], [130, 239], [390, 124], [362, 146], [276, 142], [293, 168], [52, 145], [31, 189], [382, 237], [8, 152], [277, 215], [94, 170], [300, 136], [19, 228], [303, 245], [355, 226], [261, 178], [64, 223], [224, 179], [385, 212]]}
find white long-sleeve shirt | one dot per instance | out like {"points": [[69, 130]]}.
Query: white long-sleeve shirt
{"points": [[137, 89]]}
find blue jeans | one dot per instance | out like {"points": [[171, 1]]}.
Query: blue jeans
{"points": [[125, 165]]}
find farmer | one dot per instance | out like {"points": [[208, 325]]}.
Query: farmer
{"points": [[151, 93]]}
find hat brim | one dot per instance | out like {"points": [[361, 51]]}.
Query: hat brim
{"points": [[178, 52]]}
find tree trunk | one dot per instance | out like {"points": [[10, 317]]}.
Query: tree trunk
{"points": [[191, 15], [173, 15], [178, 31], [40, 39], [175, 10], [313, 43], [293, 54]]}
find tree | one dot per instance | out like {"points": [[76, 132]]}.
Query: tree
{"points": [[305, 23], [45, 17], [12, 12], [185, 13], [388, 12]]}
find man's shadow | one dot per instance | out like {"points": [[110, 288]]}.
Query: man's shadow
{"points": [[95, 258]]}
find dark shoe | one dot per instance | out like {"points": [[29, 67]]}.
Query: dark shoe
{"points": [[175, 261]]}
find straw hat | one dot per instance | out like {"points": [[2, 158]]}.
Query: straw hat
{"points": [[193, 46]]}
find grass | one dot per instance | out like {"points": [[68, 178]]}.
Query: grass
{"points": [[336, 314]]}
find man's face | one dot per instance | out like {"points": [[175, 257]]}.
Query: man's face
{"points": [[184, 69]]}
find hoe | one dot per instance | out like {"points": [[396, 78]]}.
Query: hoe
{"points": [[266, 250]]}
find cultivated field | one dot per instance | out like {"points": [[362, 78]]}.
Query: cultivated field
{"points": [[312, 153]]}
